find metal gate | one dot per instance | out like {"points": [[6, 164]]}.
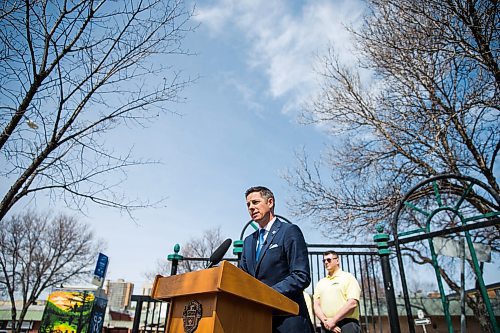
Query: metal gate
{"points": [[440, 222]]}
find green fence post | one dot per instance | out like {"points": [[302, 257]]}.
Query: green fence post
{"points": [[238, 249], [381, 239], [174, 258]]}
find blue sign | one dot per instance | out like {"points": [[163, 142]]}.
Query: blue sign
{"points": [[97, 316], [101, 267]]}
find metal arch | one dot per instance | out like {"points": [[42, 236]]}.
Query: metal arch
{"points": [[433, 179], [252, 223], [402, 203]]}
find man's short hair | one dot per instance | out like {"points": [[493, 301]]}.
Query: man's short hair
{"points": [[330, 252], [264, 191]]}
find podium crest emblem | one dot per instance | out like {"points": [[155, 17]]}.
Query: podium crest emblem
{"points": [[191, 316]]}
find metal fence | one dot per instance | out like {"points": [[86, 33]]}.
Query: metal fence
{"points": [[150, 314], [362, 262]]}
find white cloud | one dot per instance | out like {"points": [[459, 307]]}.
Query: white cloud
{"points": [[284, 43], [216, 17]]}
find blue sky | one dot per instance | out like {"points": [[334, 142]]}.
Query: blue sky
{"points": [[237, 128]]}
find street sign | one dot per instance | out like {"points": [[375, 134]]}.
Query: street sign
{"points": [[423, 321], [420, 314], [453, 248], [100, 270]]}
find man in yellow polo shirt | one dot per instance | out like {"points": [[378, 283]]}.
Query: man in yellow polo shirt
{"points": [[336, 298]]}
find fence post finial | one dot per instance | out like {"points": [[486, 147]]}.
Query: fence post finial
{"points": [[174, 258]]}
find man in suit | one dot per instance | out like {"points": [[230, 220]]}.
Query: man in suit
{"points": [[276, 254]]}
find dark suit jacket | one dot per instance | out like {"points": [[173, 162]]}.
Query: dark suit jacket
{"points": [[284, 266]]}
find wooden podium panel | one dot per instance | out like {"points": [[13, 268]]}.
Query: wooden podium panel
{"points": [[231, 300], [221, 314]]}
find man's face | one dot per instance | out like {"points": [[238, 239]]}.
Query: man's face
{"points": [[259, 208], [331, 262]]}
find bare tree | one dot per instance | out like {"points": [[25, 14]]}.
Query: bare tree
{"points": [[431, 107], [201, 247], [38, 252], [423, 99], [71, 71], [197, 248]]}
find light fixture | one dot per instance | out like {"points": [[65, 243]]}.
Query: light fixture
{"points": [[31, 124]]}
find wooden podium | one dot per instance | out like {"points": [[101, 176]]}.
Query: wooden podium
{"points": [[231, 301]]}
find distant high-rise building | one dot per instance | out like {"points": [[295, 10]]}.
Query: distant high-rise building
{"points": [[146, 288], [119, 293]]}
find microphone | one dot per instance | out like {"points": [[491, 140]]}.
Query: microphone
{"points": [[217, 255]]}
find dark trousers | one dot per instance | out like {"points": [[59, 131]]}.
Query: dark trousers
{"points": [[292, 324], [346, 325]]}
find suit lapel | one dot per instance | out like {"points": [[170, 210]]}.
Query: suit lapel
{"points": [[274, 230]]}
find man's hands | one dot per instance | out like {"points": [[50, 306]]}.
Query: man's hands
{"points": [[331, 325]]}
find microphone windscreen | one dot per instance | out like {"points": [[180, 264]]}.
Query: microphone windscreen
{"points": [[219, 253]]}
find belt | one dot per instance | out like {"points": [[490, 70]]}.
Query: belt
{"points": [[346, 321]]}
